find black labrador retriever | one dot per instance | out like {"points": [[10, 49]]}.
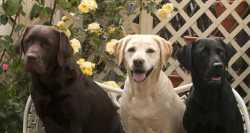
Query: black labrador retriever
{"points": [[211, 106], [65, 100]]}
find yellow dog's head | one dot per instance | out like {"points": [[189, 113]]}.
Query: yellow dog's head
{"points": [[142, 54]]}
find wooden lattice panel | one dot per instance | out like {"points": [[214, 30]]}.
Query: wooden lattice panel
{"points": [[229, 19]]}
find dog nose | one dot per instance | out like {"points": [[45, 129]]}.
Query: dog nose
{"points": [[218, 65], [138, 62], [31, 57]]}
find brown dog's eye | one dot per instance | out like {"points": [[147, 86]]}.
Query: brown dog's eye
{"points": [[131, 49], [150, 50]]}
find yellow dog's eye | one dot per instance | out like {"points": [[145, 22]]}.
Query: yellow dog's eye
{"points": [[131, 49], [150, 50]]}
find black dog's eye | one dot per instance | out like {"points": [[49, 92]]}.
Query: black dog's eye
{"points": [[220, 52], [131, 49], [150, 50]]}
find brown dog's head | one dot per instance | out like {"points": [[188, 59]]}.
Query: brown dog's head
{"points": [[45, 49]]}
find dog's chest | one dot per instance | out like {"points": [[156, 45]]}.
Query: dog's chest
{"points": [[149, 114]]}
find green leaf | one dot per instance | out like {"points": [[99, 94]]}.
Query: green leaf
{"points": [[11, 7], [64, 4], [46, 11], [4, 19], [35, 11]]}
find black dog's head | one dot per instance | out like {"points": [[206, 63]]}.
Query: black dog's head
{"points": [[44, 49], [206, 59]]}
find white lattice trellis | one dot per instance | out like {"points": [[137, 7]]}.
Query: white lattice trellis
{"points": [[208, 11]]}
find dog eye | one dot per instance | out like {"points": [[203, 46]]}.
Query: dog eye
{"points": [[220, 52], [150, 50], [131, 49]]}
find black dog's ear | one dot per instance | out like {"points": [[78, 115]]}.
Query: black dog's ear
{"points": [[184, 56], [229, 50], [64, 49]]}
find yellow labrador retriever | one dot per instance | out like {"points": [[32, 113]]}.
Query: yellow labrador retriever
{"points": [[149, 104]]}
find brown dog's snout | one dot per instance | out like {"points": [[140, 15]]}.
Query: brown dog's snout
{"points": [[32, 53], [31, 56], [138, 62]]}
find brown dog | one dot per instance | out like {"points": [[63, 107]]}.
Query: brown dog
{"points": [[64, 99]]}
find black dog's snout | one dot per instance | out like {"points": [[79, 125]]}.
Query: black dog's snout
{"points": [[218, 65], [138, 62]]}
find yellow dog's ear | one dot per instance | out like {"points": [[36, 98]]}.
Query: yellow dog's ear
{"points": [[165, 49], [119, 49]]}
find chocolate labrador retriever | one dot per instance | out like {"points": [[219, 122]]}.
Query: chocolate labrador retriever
{"points": [[211, 107], [65, 100]]}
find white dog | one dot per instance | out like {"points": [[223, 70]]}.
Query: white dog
{"points": [[149, 104]]}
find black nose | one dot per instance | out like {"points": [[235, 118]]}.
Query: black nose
{"points": [[138, 62], [218, 65]]}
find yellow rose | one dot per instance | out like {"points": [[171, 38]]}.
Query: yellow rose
{"points": [[87, 5], [76, 45], [94, 27], [88, 64], [111, 29], [168, 8], [92, 4], [113, 84], [83, 7], [110, 46], [162, 13], [87, 71], [65, 18], [80, 61], [61, 25]]}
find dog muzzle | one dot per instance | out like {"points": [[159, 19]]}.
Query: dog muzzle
{"points": [[140, 75]]}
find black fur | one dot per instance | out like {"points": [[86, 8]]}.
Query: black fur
{"points": [[211, 106]]}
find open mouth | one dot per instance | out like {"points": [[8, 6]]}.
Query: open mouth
{"points": [[216, 77], [140, 75]]}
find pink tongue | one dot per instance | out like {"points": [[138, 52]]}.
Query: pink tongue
{"points": [[216, 78], [139, 77]]}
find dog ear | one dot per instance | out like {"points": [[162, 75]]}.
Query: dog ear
{"points": [[119, 49], [229, 50], [165, 49], [19, 43], [64, 49], [184, 56]]}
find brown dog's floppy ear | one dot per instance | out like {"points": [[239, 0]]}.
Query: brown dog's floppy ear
{"points": [[64, 49], [165, 49], [20, 44], [119, 49]]}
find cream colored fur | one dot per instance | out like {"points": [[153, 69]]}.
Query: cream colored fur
{"points": [[151, 106]]}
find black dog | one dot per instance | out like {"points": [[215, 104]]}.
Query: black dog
{"points": [[65, 100], [211, 106]]}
